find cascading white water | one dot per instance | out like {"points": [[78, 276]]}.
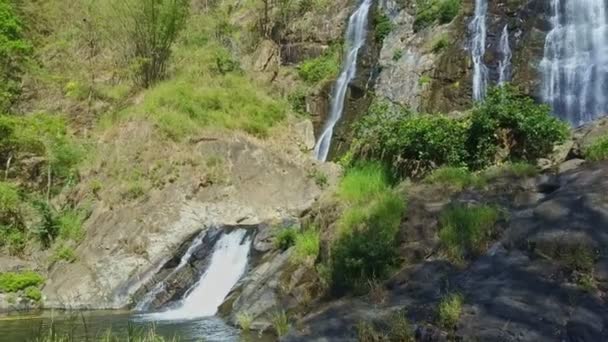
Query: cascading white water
{"points": [[504, 66], [477, 28], [160, 286], [354, 40], [228, 263], [575, 62]]}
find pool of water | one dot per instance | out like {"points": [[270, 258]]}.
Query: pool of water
{"points": [[92, 325]]}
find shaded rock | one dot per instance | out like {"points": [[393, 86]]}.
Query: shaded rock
{"points": [[569, 165]]}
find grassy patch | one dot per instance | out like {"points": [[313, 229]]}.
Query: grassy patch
{"points": [[466, 231], [450, 309], [280, 323], [306, 248], [397, 54], [598, 150], [515, 169], [440, 44], [33, 293], [424, 80], [285, 238], [319, 177], [13, 282], [65, 253], [457, 178], [69, 223], [244, 320], [362, 183]]}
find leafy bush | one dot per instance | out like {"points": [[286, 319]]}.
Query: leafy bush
{"points": [[14, 50], [306, 247], [285, 238], [450, 309], [382, 26], [598, 150], [366, 247], [13, 282], [148, 29], [69, 223], [465, 231], [33, 293], [321, 68], [10, 203], [440, 44], [411, 144], [429, 12], [509, 125]]}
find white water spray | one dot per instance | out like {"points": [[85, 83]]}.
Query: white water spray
{"points": [[228, 263], [160, 286], [478, 50], [575, 62], [504, 66], [355, 38]]}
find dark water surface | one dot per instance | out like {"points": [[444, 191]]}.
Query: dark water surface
{"points": [[93, 325]]}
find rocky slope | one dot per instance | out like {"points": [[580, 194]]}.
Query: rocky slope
{"points": [[524, 288]]}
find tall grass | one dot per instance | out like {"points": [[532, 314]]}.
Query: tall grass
{"points": [[466, 231], [363, 183], [450, 309], [598, 150], [306, 248]]}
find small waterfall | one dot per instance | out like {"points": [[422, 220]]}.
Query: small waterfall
{"points": [[504, 66], [354, 40], [228, 263], [144, 304], [477, 28], [575, 62]]}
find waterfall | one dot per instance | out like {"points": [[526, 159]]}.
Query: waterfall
{"points": [[575, 62], [160, 286], [354, 40], [477, 28], [504, 66], [228, 264]]}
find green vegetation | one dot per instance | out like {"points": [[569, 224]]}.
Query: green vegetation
{"points": [[457, 178], [14, 52], [450, 309], [319, 177], [429, 12], [33, 293], [65, 253], [150, 28], [307, 244], [322, 68], [397, 329], [515, 169], [366, 246], [440, 44], [285, 238], [244, 320], [509, 125], [71, 334], [13, 282], [280, 323], [397, 54], [466, 231], [424, 80], [598, 150], [382, 26]]}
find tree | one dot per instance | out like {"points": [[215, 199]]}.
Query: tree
{"points": [[150, 27]]}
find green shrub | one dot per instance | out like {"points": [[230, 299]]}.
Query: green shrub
{"points": [[399, 328], [285, 238], [10, 204], [322, 68], [466, 231], [14, 51], [397, 54], [455, 177], [13, 282], [366, 247], [429, 12], [69, 223], [33, 293], [510, 125], [450, 309], [382, 26], [440, 44], [424, 80], [598, 150], [306, 247], [65, 253], [280, 323], [412, 144], [319, 177], [15, 240]]}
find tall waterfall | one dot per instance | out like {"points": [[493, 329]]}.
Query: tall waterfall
{"points": [[228, 264], [477, 28], [575, 63], [354, 40], [504, 66]]}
